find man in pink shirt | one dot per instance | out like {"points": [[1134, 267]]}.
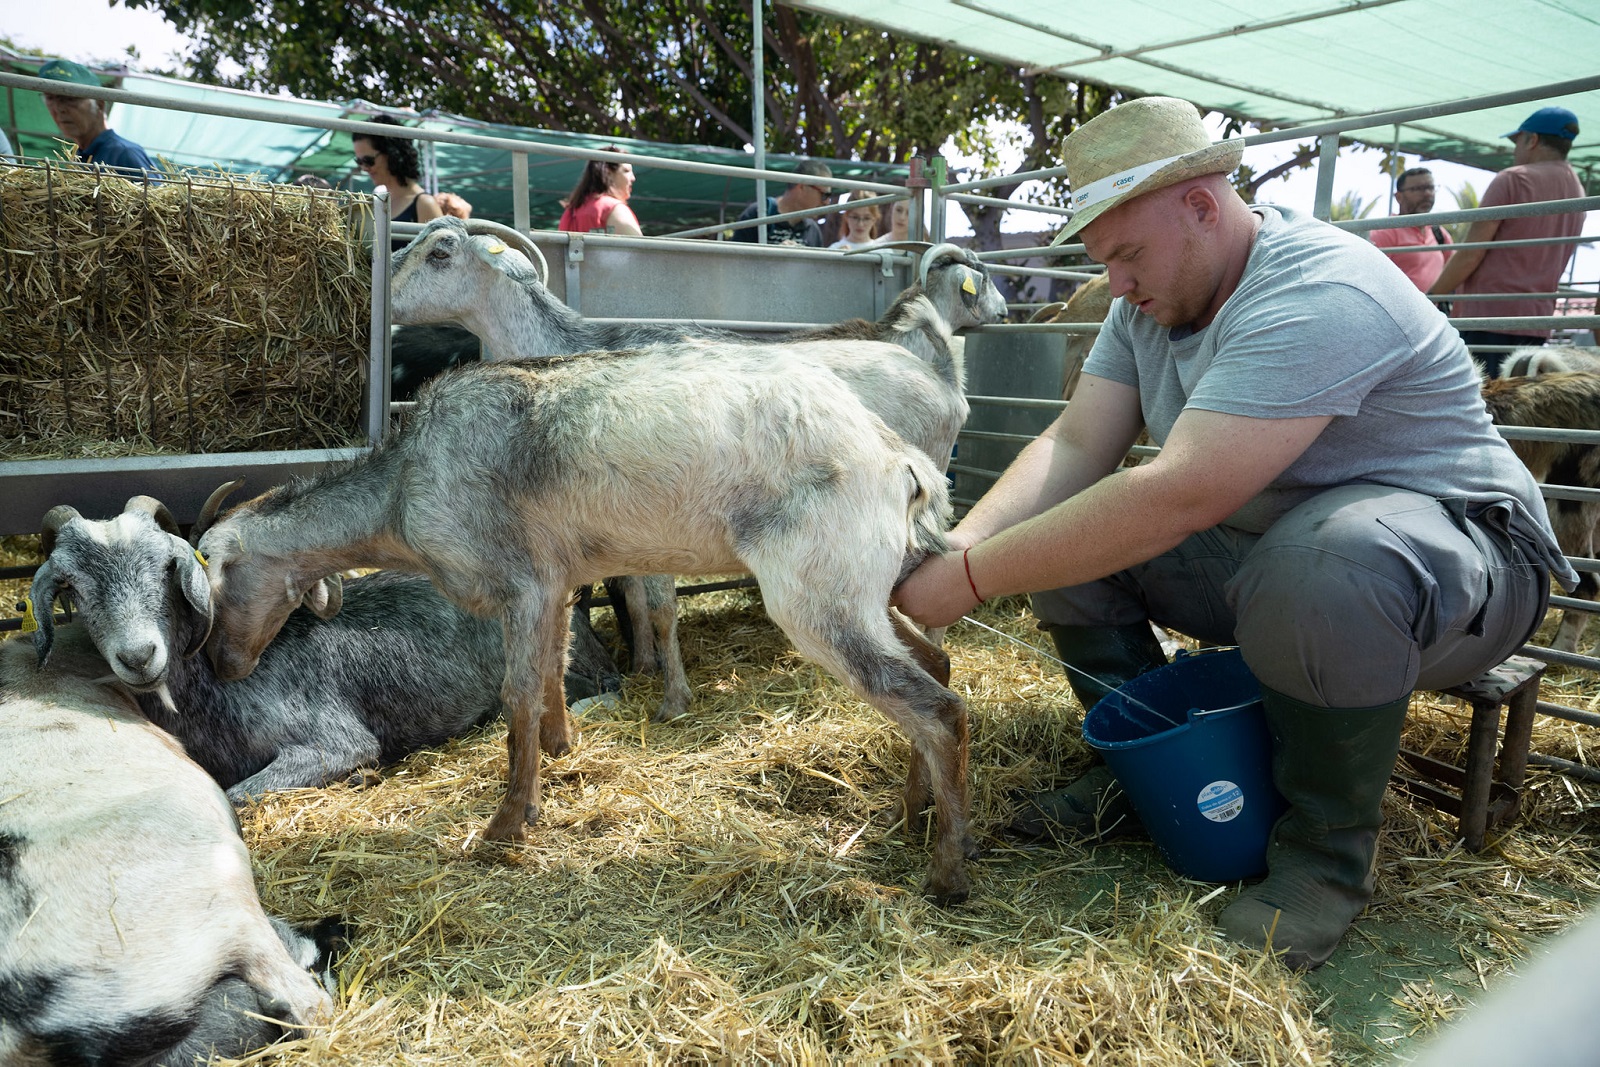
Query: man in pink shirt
{"points": [[1413, 192], [1540, 171]]}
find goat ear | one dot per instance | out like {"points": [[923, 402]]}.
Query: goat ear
{"points": [[489, 249], [43, 594], [194, 601], [325, 597]]}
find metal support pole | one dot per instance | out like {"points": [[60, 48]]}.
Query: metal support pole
{"points": [[916, 182], [936, 184], [758, 110], [521, 216], [377, 407], [1329, 155]]}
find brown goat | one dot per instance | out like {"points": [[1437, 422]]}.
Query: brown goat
{"points": [[1091, 302], [1568, 401]]}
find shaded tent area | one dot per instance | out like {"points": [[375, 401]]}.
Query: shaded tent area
{"points": [[663, 199], [1285, 65]]}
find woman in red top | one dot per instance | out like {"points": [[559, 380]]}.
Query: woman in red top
{"points": [[600, 200]]}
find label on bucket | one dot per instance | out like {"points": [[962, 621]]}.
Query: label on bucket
{"points": [[1221, 801]]}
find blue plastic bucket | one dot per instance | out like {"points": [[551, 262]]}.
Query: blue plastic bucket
{"points": [[1189, 744]]}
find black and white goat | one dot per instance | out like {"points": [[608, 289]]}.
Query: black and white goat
{"points": [[394, 669], [130, 929], [514, 481]]}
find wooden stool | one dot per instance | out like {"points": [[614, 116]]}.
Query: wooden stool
{"points": [[1479, 800]]}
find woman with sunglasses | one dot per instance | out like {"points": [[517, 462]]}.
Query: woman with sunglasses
{"points": [[599, 202], [391, 163]]}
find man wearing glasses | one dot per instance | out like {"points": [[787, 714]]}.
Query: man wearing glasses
{"points": [[1414, 193], [795, 198]]}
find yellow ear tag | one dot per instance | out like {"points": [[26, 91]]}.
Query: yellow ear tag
{"points": [[201, 558], [497, 248], [968, 287], [29, 623]]}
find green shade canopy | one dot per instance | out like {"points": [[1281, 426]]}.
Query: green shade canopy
{"points": [[1292, 64], [280, 151]]}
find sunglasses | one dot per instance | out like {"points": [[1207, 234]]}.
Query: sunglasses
{"points": [[366, 161]]}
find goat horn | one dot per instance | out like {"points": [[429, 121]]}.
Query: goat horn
{"points": [[208, 510], [156, 510], [934, 252], [517, 238], [54, 519]]}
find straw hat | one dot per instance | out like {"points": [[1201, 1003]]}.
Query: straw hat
{"points": [[1136, 148]]}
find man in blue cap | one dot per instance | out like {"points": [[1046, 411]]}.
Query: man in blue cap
{"points": [[1539, 171], [82, 120]]}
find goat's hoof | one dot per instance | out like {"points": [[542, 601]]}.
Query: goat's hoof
{"points": [[948, 892], [512, 830], [668, 713]]}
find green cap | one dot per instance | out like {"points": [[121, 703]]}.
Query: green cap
{"points": [[65, 70]]}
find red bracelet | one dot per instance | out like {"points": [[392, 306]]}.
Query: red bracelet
{"points": [[968, 565]]}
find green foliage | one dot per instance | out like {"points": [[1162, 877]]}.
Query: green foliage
{"points": [[668, 70], [1350, 206]]}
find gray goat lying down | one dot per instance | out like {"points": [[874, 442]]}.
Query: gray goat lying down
{"points": [[397, 669], [514, 482], [914, 381], [130, 929]]}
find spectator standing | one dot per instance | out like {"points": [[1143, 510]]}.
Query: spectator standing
{"points": [[1294, 509], [1414, 194], [392, 164], [801, 196], [859, 222], [1539, 171], [899, 223], [82, 120], [599, 202]]}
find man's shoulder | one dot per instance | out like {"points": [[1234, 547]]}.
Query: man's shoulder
{"points": [[114, 150]]}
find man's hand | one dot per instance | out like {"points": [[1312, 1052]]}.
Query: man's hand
{"points": [[936, 593]]}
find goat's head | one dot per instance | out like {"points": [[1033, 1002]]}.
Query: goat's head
{"points": [[444, 272], [254, 593], [139, 586], [958, 283]]}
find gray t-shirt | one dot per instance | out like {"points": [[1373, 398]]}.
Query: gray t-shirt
{"points": [[1322, 324]]}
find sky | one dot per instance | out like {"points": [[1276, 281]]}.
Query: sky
{"points": [[93, 31]]}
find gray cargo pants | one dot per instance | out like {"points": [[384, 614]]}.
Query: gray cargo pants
{"points": [[1352, 599]]}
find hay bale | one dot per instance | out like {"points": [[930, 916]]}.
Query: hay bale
{"points": [[213, 315]]}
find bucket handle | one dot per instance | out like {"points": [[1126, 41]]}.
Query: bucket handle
{"points": [[1196, 713]]}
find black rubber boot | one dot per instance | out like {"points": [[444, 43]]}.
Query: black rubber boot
{"points": [[1094, 806], [1332, 765]]}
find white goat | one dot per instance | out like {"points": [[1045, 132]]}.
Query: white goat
{"points": [[513, 482], [916, 387], [1531, 361], [130, 930]]}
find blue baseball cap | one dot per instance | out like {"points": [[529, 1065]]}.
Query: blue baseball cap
{"points": [[1550, 122], [65, 70]]}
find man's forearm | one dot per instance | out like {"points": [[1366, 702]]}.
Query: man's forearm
{"points": [[1046, 472], [1457, 269]]}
